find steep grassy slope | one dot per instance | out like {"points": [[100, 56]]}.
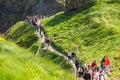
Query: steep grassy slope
{"points": [[96, 32], [20, 64], [24, 35]]}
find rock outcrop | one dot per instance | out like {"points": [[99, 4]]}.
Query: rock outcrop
{"points": [[47, 7], [12, 11], [72, 6]]}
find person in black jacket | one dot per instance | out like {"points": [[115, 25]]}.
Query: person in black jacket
{"points": [[47, 41], [73, 55], [77, 64], [102, 63], [87, 75], [80, 73]]}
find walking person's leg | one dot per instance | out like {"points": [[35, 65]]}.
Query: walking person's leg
{"points": [[40, 32], [48, 42]]}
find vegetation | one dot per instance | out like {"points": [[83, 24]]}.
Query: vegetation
{"points": [[20, 64], [24, 35], [95, 31], [2, 39]]}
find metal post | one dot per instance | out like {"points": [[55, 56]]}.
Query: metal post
{"points": [[38, 50], [77, 48]]}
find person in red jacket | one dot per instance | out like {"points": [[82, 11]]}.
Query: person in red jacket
{"points": [[47, 41], [107, 64], [107, 61], [94, 64]]}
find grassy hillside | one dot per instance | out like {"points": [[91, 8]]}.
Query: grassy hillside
{"points": [[22, 34], [25, 36], [96, 32], [20, 64]]}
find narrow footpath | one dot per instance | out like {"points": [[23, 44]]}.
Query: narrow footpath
{"points": [[52, 49]]}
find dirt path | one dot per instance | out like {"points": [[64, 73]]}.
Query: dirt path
{"points": [[52, 49]]}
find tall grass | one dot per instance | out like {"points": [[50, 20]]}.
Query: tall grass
{"points": [[24, 35], [95, 31], [20, 64]]}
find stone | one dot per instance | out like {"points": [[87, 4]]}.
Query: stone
{"points": [[72, 6], [12, 11]]}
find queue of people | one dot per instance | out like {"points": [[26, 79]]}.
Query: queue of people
{"points": [[35, 21], [91, 71], [84, 71]]}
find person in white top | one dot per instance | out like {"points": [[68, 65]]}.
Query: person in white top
{"points": [[96, 74], [84, 66], [38, 22], [39, 26], [69, 55], [90, 71]]}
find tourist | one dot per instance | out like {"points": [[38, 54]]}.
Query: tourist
{"points": [[103, 63], [77, 64], [69, 55], [87, 75], [80, 74], [94, 64], [73, 55], [107, 64]]}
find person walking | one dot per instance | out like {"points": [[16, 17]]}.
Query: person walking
{"points": [[73, 55], [69, 55], [90, 71], [107, 64], [96, 74], [103, 63], [39, 26], [47, 41], [77, 64], [80, 74], [94, 64], [87, 75]]}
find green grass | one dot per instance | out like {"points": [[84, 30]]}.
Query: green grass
{"points": [[25, 36], [20, 64], [22, 34], [95, 30]]}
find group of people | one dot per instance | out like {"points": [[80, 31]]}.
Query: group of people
{"points": [[84, 71], [38, 16], [35, 21], [91, 71]]}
